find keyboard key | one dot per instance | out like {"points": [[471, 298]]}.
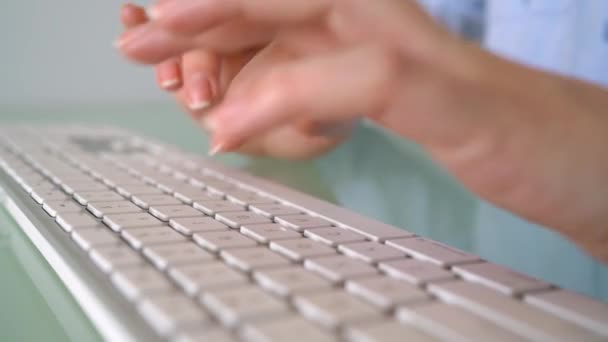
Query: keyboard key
{"points": [[46, 195], [168, 312], [134, 282], [510, 314], [245, 197], [118, 222], [301, 222], [386, 292], [168, 212], [145, 201], [233, 306], [214, 207], [248, 259], [102, 196], [438, 253], [100, 209], [573, 307], [499, 278], [143, 237], [173, 254], [452, 323], [190, 194], [333, 236], [264, 233], [338, 268], [72, 221], [240, 218], [191, 225], [204, 334], [272, 210], [110, 257], [291, 328], [389, 331], [194, 277], [134, 190], [290, 280], [299, 249], [217, 186], [53, 208], [415, 271], [370, 251], [214, 241], [71, 187], [334, 308], [87, 238]]}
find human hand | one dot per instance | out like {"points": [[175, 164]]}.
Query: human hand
{"points": [[199, 78], [527, 141]]}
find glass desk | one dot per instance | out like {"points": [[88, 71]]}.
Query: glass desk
{"points": [[374, 173]]}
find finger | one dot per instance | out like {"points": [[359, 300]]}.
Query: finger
{"points": [[132, 15], [300, 146], [200, 71], [169, 74], [330, 88], [193, 16], [151, 44]]}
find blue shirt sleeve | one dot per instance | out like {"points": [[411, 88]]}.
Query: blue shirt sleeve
{"points": [[564, 36]]}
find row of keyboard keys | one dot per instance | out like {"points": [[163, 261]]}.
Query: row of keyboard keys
{"points": [[510, 314]]}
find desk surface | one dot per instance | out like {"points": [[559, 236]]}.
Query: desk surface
{"points": [[374, 173]]}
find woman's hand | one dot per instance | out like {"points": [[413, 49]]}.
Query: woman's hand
{"points": [[528, 141], [199, 79]]}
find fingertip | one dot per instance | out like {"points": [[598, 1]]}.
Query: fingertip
{"points": [[168, 75], [132, 15]]}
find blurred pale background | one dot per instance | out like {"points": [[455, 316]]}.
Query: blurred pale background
{"points": [[57, 53]]}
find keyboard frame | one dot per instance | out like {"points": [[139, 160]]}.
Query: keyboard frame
{"points": [[115, 318]]}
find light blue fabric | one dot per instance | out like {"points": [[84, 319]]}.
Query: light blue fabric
{"points": [[563, 36]]}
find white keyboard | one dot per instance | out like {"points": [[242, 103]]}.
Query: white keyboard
{"points": [[155, 243]]}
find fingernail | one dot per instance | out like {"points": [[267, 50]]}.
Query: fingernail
{"points": [[208, 123], [199, 92], [216, 148], [152, 12], [169, 84], [128, 36]]}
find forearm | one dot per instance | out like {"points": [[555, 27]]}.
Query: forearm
{"points": [[535, 144]]}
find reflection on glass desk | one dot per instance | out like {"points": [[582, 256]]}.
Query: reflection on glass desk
{"points": [[374, 173]]}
